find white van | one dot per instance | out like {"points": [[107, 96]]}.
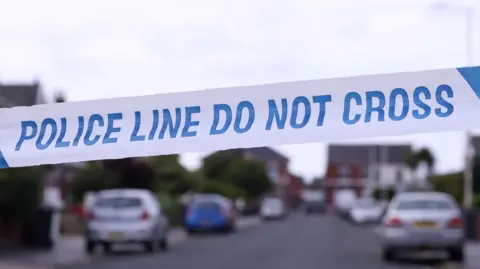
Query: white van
{"points": [[119, 216], [272, 208], [344, 200]]}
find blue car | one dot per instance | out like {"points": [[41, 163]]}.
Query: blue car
{"points": [[210, 215]]}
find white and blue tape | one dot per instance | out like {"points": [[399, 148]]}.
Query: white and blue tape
{"points": [[263, 115]]}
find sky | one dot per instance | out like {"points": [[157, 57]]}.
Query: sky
{"points": [[112, 48]]}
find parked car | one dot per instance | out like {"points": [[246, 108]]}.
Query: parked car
{"points": [[273, 208], [314, 207], [210, 213], [126, 216], [366, 211], [343, 200], [313, 202], [423, 221]]}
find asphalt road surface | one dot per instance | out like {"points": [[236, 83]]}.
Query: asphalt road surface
{"points": [[299, 242]]}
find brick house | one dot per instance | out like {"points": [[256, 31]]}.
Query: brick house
{"points": [[22, 94], [363, 167], [295, 190]]}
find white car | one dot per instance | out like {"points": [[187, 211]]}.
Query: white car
{"points": [[273, 208], [120, 216], [366, 211], [423, 221]]}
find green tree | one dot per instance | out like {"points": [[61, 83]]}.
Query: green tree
{"points": [[423, 155], [170, 175], [225, 189], [134, 173], [59, 97], [249, 176], [215, 165], [93, 177]]}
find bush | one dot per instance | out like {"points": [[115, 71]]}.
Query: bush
{"points": [[449, 183], [20, 192], [476, 201], [382, 193], [171, 208]]}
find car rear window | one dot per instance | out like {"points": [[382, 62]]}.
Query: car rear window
{"points": [[206, 205], [118, 202], [425, 204]]}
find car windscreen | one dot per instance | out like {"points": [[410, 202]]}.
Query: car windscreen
{"points": [[432, 204], [118, 202]]}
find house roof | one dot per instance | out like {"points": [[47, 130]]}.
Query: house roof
{"points": [[20, 94], [266, 154]]}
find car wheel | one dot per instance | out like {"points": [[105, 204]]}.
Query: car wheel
{"points": [[190, 231], [388, 255], [456, 254], [89, 247], [107, 247], [149, 246], [163, 244]]}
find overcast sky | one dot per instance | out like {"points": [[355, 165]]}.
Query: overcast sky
{"points": [[110, 48]]}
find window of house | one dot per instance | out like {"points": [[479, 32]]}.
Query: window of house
{"points": [[344, 171], [273, 173]]}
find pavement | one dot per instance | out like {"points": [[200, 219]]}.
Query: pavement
{"points": [[305, 242], [70, 251]]}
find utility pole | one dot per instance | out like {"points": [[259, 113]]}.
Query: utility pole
{"points": [[470, 152], [470, 55], [468, 173], [384, 164]]}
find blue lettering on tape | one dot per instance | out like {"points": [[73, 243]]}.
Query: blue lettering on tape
{"points": [[279, 117], [379, 107], [3, 162], [472, 77], [171, 123]]}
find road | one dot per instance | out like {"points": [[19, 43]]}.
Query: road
{"points": [[299, 242]]}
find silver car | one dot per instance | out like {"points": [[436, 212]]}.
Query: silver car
{"points": [[120, 216], [423, 221]]}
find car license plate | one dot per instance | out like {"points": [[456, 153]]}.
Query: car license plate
{"points": [[116, 236], [426, 224]]}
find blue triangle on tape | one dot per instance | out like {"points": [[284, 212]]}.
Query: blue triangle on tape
{"points": [[472, 77], [3, 162]]}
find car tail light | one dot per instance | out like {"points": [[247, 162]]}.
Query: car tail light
{"points": [[394, 222], [145, 215], [455, 223]]}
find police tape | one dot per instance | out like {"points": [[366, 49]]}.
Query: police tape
{"points": [[237, 117]]}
